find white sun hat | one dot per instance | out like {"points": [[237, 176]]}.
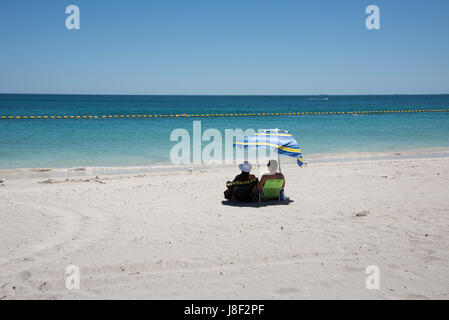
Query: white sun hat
{"points": [[272, 166], [245, 166]]}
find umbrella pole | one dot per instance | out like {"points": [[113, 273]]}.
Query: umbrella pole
{"points": [[279, 164]]}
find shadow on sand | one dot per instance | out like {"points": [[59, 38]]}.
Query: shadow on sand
{"points": [[285, 202]]}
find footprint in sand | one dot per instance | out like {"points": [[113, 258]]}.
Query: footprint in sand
{"points": [[26, 275]]}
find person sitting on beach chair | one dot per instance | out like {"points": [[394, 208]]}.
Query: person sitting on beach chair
{"points": [[273, 189], [244, 185]]}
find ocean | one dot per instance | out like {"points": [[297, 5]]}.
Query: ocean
{"points": [[127, 142]]}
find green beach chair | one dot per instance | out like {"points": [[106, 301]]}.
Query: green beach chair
{"points": [[271, 190]]}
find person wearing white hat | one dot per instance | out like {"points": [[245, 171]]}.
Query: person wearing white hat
{"points": [[245, 167], [273, 174], [245, 183]]}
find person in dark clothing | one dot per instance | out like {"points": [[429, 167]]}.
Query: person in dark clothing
{"points": [[244, 185]]}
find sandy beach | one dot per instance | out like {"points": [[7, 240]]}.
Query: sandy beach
{"points": [[169, 236]]}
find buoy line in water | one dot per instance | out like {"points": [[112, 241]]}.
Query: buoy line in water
{"points": [[214, 115]]}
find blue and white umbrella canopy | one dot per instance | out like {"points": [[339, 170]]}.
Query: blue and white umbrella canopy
{"points": [[280, 140]]}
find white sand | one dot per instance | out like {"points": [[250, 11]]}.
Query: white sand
{"points": [[161, 235]]}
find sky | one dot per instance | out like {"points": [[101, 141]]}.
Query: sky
{"points": [[224, 47]]}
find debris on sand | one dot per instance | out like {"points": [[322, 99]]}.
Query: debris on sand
{"points": [[363, 213], [48, 181], [52, 181]]}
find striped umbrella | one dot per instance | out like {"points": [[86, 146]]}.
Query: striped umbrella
{"points": [[280, 140]]}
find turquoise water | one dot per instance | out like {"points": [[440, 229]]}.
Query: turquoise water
{"points": [[141, 142]]}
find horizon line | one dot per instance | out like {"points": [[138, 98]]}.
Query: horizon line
{"points": [[227, 94]]}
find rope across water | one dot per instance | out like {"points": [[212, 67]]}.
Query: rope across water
{"points": [[214, 115]]}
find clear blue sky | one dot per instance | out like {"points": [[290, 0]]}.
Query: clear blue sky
{"points": [[224, 47]]}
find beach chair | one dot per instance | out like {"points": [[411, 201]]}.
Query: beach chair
{"points": [[271, 190]]}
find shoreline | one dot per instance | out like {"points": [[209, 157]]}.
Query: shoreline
{"points": [[312, 159]]}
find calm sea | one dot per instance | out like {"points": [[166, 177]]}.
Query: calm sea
{"points": [[142, 142]]}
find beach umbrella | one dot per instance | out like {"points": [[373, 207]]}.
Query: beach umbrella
{"points": [[276, 139]]}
